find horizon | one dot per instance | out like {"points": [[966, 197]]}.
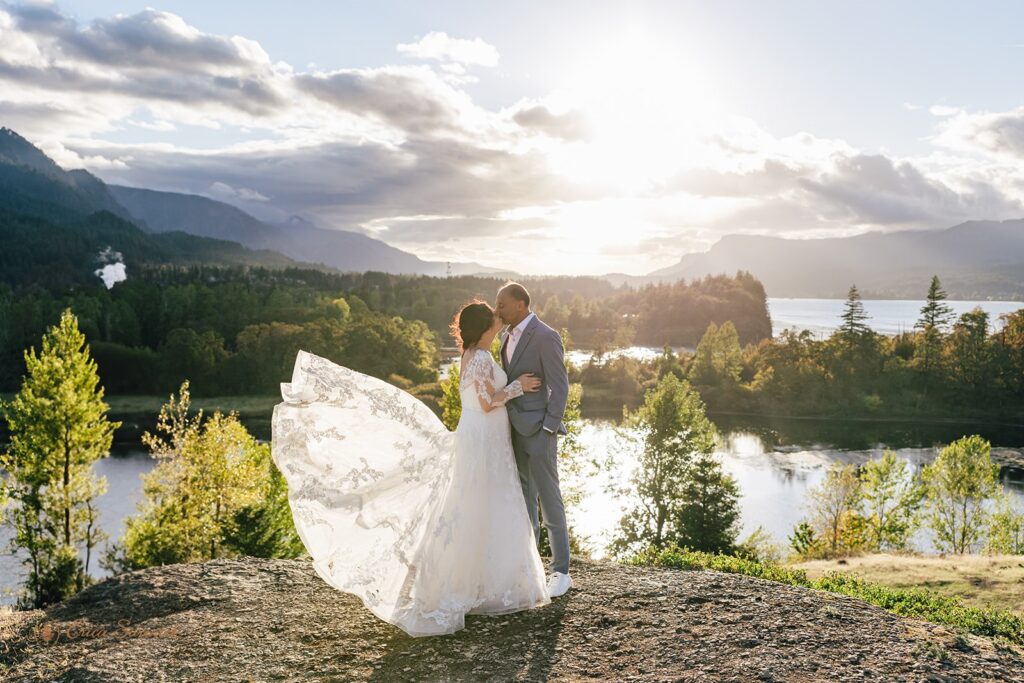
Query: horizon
{"points": [[542, 140]]}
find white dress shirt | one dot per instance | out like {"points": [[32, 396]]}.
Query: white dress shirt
{"points": [[514, 335]]}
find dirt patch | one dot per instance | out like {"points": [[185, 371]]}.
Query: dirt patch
{"points": [[276, 620]]}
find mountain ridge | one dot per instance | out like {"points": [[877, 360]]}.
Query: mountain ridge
{"points": [[979, 259]]}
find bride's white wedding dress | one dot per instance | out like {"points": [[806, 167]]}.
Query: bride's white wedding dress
{"points": [[424, 525]]}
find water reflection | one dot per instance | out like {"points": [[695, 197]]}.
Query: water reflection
{"points": [[773, 481], [773, 477]]}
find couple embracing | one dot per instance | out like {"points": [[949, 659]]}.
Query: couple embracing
{"points": [[426, 525]]}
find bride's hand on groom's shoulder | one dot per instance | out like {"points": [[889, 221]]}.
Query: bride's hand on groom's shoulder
{"points": [[529, 382]]}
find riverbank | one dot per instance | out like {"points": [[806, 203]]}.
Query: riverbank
{"points": [[989, 581], [263, 620]]}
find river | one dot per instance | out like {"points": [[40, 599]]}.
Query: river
{"points": [[775, 462]]}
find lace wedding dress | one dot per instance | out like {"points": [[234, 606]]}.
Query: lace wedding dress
{"points": [[424, 525]]}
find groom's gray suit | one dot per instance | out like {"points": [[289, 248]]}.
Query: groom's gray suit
{"points": [[536, 419]]}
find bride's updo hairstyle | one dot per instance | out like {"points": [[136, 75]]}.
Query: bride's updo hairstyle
{"points": [[470, 323]]}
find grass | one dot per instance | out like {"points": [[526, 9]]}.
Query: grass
{"points": [[988, 581], [908, 602]]}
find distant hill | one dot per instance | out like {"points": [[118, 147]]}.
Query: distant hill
{"points": [[297, 237], [33, 184], [974, 260], [54, 225], [58, 254], [30, 181]]}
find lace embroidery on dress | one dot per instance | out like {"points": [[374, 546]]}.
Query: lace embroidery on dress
{"points": [[422, 524], [479, 373]]}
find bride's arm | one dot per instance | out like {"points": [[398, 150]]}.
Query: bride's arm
{"points": [[479, 371]]}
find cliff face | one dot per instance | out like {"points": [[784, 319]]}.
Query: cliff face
{"points": [[276, 620]]}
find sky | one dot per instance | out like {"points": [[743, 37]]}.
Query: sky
{"points": [[570, 137]]}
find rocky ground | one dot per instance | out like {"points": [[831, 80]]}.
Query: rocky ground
{"points": [[276, 620]]}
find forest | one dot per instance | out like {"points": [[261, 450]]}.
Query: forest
{"points": [[236, 329]]}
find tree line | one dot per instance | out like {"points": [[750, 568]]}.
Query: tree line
{"points": [[945, 366]]}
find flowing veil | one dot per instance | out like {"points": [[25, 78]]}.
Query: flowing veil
{"points": [[364, 462]]}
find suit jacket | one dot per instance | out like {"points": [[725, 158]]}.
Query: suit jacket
{"points": [[539, 351]]}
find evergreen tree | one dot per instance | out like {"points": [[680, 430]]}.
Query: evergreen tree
{"points": [[854, 327], [58, 428], [708, 518], [935, 316]]}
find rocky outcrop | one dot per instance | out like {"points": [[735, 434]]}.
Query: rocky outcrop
{"points": [[276, 620]]}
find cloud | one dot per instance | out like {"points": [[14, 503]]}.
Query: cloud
{"points": [[999, 134], [438, 45], [404, 153], [568, 125], [413, 98], [147, 56], [224, 191]]}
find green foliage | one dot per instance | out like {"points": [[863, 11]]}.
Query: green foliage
{"points": [[451, 398], [923, 604], [718, 358], [683, 496], [971, 353], [833, 510], [683, 558], [935, 317], [266, 528], [760, 547], [58, 429], [211, 476], [804, 541], [889, 500], [854, 326], [958, 484], [1005, 528], [915, 603]]}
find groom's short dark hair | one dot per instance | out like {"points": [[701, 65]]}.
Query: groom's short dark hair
{"points": [[518, 292]]}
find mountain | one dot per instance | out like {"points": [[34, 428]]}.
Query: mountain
{"points": [[58, 228], [296, 238], [33, 183], [60, 254], [974, 260]]}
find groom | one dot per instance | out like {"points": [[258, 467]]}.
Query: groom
{"points": [[530, 346]]}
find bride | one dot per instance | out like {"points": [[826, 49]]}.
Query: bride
{"points": [[424, 525]]}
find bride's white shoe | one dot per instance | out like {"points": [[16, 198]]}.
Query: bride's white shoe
{"points": [[558, 584]]}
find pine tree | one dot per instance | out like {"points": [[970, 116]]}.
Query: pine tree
{"points": [[58, 428], [854, 317], [708, 518], [935, 316]]}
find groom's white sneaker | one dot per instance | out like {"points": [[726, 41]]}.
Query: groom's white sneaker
{"points": [[558, 584]]}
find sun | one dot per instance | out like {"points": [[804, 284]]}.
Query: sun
{"points": [[647, 101]]}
